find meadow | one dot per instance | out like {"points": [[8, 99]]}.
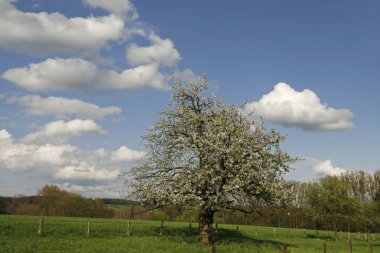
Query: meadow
{"points": [[62, 234]]}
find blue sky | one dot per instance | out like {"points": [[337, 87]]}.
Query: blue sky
{"points": [[80, 82]]}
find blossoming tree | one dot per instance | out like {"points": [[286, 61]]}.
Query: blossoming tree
{"points": [[206, 154]]}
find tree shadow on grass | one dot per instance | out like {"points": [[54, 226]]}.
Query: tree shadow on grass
{"points": [[226, 236], [222, 236], [322, 237]]}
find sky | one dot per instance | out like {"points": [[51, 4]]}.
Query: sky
{"points": [[82, 80]]}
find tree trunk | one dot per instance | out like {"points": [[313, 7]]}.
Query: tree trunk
{"points": [[206, 218]]}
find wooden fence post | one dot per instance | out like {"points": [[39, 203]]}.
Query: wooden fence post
{"points": [[257, 233], [304, 233], [41, 226], [162, 228], [237, 228], [324, 247], [370, 247], [190, 230], [274, 231], [350, 244], [129, 229], [213, 249], [285, 249], [216, 227], [88, 226]]}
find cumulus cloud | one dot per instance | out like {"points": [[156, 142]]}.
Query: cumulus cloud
{"points": [[77, 74], [41, 33], [310, 168], [122, 8], [304, 110], [60, 130], [93, 190], [47, 33], [86, 171], [4, 134], [134, 78], [326, 168], [54, 74], [186, 75], [64, 163], [124, 154], [162, 51], [61, 107], [19, 156]]}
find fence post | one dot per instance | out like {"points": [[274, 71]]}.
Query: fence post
{"points": [[129, 229], [350, 244], [274, 231], [216, 227], [285, 249], [257, 233], [41, 226], [324, 247], [370, 247], [304, 233], [190, 230], [88, 226], [237, 228], [162, 228], [213, 249]]}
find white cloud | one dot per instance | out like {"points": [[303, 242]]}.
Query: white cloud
{"points": [[18, 156], [125, 154], [134, 78], [162, 51], [86, 171], [47, 33], [97, 171], [123, 8], [326, 168], [310, 168], [94, 191], [292, 108], [63, 107], [54, 74], [77, 74], [4, 134], [59, 130], [41, 33], [186, 75]]}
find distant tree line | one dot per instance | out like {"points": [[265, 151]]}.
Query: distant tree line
{"points": [[54, 201], [349, 202]]}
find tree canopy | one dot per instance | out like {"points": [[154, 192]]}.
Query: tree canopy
{"points": [[205, 153]]}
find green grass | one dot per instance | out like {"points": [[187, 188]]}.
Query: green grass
{"points": [[19, 234]]}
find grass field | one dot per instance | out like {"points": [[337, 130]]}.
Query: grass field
{"points": [[19, 234]]}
